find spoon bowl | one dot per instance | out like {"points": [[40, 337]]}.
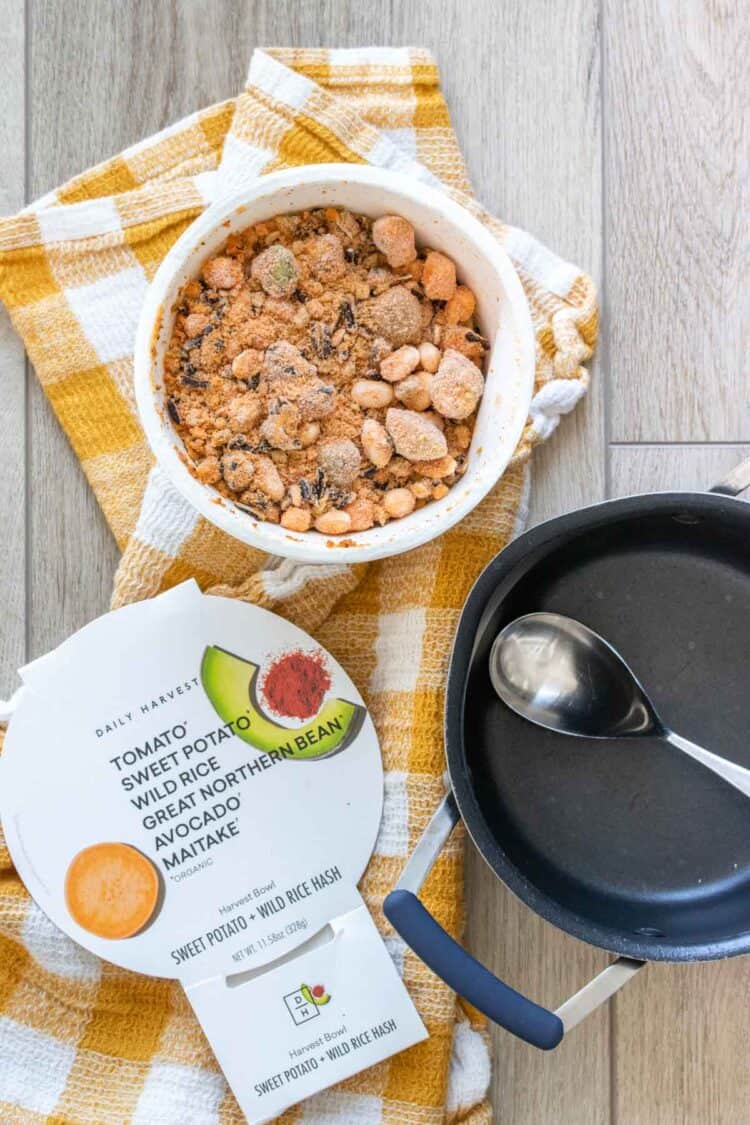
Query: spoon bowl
{"points": [[562, 675], [559, 674]]}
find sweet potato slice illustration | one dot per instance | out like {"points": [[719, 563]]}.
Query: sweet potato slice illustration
{"points": [[111, 890]]}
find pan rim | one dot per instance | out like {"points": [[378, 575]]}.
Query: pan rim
{"points": [[612, 940]]}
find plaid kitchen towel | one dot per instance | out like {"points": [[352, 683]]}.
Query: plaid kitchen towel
{"points": [[84, 1042]]}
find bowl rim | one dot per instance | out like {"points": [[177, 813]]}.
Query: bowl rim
{"points": [[313, 547]]}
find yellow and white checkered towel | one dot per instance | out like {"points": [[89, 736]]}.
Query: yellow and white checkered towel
{"points": [[84, 1042]]}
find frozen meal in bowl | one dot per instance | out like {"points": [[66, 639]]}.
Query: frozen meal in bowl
{"points": [[340, 357]]}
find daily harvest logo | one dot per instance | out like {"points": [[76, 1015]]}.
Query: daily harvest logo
{"points": [[304, 1002], [231, 684]]}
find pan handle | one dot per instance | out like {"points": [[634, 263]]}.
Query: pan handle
{"points": [[450, 961], [735, 482]]}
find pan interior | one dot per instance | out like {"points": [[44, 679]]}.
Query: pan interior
{"points": [[629, 837]]}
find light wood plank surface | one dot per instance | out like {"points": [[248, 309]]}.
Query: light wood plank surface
{"points": [[633, 162], [680, 1031], [12, 363], [677, 144], [554, 189], [644, 468]]}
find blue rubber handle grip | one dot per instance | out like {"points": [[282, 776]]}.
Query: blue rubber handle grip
{"points": [[451, 962]]}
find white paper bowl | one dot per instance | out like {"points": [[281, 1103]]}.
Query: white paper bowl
{"points": [[440, 224]]}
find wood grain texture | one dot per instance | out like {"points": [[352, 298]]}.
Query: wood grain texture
{"points": [[680, 1031], [678, 212], [648, 468], [536, 160], [525, 91], [12, 362], [552, 186], [681, 1035]]}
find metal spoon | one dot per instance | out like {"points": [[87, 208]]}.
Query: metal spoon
{"points": [[561, 675]]}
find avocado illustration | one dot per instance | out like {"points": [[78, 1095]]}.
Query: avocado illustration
{"points": [[231, 682], [316, 995]]}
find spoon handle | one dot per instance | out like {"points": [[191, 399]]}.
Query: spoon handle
{"points": [[736, 775]]}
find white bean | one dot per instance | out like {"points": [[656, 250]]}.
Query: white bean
{"points": [[268, 480], [334, 522], [398, 502], [429, 357], [362, 514], [376, 443], [371, 394], [399, 364], [296, 519], [414, 391]]}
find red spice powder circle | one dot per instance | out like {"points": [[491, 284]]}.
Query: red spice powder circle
{"points": [[295, 684]]}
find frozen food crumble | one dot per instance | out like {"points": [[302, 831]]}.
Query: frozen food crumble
{"points": [[325, 372]]}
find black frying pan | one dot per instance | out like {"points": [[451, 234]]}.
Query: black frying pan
{"points": [[627, 845]]}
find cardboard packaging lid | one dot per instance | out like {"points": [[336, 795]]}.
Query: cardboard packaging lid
{"points": [[163, 814]]}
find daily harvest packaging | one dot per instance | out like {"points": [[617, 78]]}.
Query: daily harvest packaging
{"points": [[191, 788]]}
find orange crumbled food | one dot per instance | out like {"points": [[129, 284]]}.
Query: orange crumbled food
{"points": [[324, 372]]}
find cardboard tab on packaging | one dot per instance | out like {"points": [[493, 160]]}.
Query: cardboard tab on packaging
{"points": [[333, 1008]]}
